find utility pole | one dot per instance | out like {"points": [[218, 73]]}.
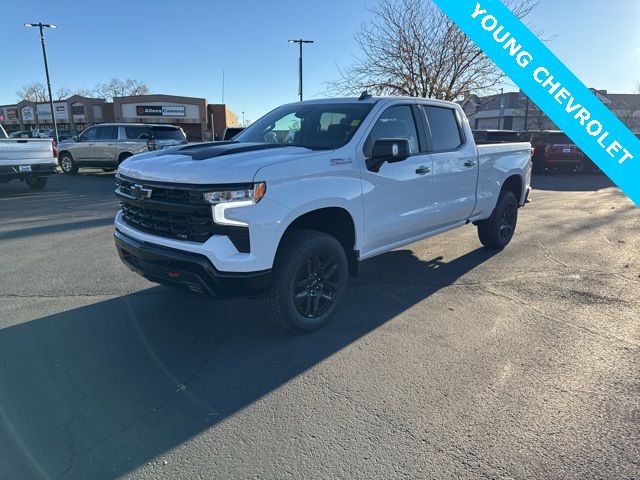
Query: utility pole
{"points": [[300, 42], [42, 26], [243, 124]]}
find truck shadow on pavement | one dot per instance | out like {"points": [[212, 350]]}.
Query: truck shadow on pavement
{"points": [[98, 391]]}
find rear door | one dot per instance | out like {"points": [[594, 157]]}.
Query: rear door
{"points": [[455, 167], [105, 146], [396, 198], [134, 139]]}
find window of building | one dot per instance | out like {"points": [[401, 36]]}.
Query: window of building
{"points": [[77, 109]]}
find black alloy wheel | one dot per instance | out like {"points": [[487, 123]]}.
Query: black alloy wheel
{"points": [[316, 284], [508, 221]]}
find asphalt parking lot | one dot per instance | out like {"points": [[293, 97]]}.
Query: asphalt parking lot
{"points": [[446, 361]]}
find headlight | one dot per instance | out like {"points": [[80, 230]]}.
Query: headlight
{"points": [[251, 195]]}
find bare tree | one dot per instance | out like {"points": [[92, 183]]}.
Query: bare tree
{"points": [[62, 93], [34, 92], [628, 109], [37, 92], [120, 88], [85, 92], [411, 47]]}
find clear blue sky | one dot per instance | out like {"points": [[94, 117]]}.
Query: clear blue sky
{"points": [[181, 48]]}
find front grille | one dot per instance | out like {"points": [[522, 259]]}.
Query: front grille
{"points": [[177, 213], [194, 228], [183, 196]]}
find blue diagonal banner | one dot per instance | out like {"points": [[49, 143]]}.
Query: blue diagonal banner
{"points": [[552, 86]]}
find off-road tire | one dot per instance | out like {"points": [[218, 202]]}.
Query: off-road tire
{"points": [[290, 268], [498, 230]]}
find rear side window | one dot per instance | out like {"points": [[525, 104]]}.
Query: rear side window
{"points": [[445, 131], [137, 133], [167, 133], [107, 133]]}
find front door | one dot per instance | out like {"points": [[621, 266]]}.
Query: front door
{"points": [[83, 149], [396, 198]]}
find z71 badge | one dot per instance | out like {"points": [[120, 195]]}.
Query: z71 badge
{"points": [[339, 161]]}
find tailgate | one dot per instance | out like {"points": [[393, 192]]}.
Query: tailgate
{"points": [[23, 151], [563, 153]]}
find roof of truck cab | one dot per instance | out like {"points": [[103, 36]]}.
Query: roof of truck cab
{"points": [[371, 99], [125, 124]]}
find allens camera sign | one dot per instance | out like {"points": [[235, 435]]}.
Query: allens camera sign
{"points": [[160, 111]]}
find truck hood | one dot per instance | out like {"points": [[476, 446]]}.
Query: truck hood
{"points": [[209, 163]]}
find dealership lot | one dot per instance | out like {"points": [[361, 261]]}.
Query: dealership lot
{"points": [[446, 360]]}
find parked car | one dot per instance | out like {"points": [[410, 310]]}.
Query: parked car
{"points": [[21, 134], [498, 136], [293, 220], [27, 160], [231, 132], [42, 133], [554, 151], [107, 145]]}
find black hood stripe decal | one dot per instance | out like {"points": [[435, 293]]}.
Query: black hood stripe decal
{"points": [[206, 151]]}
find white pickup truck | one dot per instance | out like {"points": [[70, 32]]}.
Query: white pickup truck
{"points": [[292, 205], [27, 159]]}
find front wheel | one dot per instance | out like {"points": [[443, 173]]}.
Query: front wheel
{"points": [[497, 230], [67, 164], [309, 281], [36, 183]]}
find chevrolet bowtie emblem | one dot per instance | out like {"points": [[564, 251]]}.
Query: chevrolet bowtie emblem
{"points": [[139, 191]]}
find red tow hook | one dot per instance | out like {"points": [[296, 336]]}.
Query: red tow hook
{"points": [[174, 274]]}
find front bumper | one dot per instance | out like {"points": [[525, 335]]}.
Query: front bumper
{"points": [[187, 270], [38, 170]]}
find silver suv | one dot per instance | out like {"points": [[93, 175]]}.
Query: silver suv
{"points": [[106, 145]]}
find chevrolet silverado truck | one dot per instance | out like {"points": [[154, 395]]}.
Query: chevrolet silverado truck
{"points": [[27, 159], [296, 201]]}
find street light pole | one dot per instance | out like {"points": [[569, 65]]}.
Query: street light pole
{"points": [[42, 26], [300, 42], [501, 111]]}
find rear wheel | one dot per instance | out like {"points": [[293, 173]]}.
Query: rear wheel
{"points": [[36, 183], [309, 281], [497, 230], [67, 164]]}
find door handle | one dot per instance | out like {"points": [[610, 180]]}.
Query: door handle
{"points": [[470, 163], [423, 170]]}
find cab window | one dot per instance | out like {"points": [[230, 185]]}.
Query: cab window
{"points": [[90, 134], [445, 129], [395, 123]]}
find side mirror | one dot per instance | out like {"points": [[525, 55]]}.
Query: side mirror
{"points": [[76, 138], [388, 150]]}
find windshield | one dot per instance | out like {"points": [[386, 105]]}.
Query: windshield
{"points": [[321, 126]]}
